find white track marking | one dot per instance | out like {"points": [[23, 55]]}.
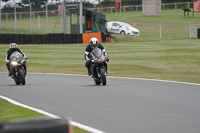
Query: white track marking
{"points": [[156, 80], [81, 126], [75, 123]]}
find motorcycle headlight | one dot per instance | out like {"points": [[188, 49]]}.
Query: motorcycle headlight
{"points": [[14, 63]]}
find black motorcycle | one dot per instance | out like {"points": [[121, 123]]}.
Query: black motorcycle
{"points": [[97, 67], [17, 69]]}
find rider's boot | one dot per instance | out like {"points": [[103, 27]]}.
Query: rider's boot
{"points": [[9, 73], [89, 72]]}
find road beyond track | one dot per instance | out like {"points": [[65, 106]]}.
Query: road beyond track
{"points": [[122, 106]]}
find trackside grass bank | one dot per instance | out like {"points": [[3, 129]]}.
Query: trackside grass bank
{"points": [[174, 57], [11, 112], [176, 60]]}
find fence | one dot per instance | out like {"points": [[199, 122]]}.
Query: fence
{"points": [[101, 9], [193, 30], [163, 31], [139, 7], [59, 38], [54, 24]]}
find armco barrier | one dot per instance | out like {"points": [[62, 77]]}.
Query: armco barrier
{"points": [[58, 38]]}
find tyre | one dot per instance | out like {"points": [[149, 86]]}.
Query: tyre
{"points": [[97, 82], [103, 76], [123, 33], [22, 77], [17, 82]]}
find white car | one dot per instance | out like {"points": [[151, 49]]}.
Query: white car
{"points": [[116, 27]]}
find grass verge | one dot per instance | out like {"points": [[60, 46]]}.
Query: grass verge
{"points": [[11, 112], [176, 60]]}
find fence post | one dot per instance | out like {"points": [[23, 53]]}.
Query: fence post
{"points": [[39, 22], [15, 15], [175, 5], [160, 31], [111, 9], [188, 4], [190, 27], [163, 6], [6, 16], [124, 9]]}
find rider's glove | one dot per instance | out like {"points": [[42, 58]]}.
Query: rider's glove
{"points": [[25, 56], [6, 60], [107, 60], [87, 63]]}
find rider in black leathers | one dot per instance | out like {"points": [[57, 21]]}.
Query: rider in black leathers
{"points": [[93, 44]]}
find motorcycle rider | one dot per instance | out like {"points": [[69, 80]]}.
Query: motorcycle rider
{"points": [[13, 48], [93, 44]]}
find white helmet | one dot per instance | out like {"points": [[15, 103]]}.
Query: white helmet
{"points": [[94, 41]]}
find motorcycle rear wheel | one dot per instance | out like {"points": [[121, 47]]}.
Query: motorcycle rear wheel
{"points": [[22, 76], [103, 76]]}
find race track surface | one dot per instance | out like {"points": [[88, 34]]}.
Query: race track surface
{"points": [[122, 106]]}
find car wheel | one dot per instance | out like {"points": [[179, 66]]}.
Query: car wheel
{"points": [[122, 33]]}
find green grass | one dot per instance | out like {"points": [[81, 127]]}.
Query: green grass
{"points": [[176, 60], [168, 18], [11, 112], [173, 57]]}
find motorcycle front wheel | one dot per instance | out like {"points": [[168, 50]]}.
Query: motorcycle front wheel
{"points": [[103, 76], [97, 82], [17, 82], [22, 77]]}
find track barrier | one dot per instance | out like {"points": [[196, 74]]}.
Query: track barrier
{"points": [[58, 38]]}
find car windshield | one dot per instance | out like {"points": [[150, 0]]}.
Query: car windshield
{"points": [[125, 24]]}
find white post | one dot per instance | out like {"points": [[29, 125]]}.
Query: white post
{"points": [[15, 16], [190, 30], [81, 16], [0, 14], [120, 7], [30, 17], [160, 31], [64, 18], [39, 22], [175, 5], [46, 17]]}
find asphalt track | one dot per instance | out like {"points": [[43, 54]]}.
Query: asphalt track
{"points": [[124, 105]]}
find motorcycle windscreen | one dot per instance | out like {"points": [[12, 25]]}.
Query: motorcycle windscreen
{"points": [[97, 52], [16, 56]]}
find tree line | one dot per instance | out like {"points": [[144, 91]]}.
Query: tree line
{"points": [[39, 5]]}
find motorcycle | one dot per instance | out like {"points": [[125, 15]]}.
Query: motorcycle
{"points": [[97, 67], [17, 69]]}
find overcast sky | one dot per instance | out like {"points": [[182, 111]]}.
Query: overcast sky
{"points": [[92, 1]]}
